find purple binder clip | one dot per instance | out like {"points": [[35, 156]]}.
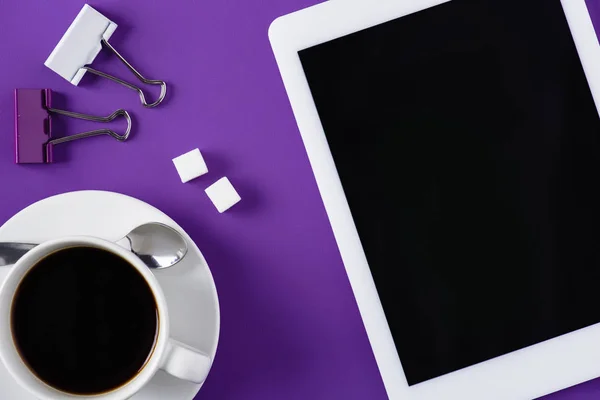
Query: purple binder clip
{"points": [[34, 139], [33, 126]]}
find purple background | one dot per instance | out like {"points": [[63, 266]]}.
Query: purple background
{"points": [[290, 325]]}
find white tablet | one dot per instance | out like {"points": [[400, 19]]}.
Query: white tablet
{"points": [[456, 146]]}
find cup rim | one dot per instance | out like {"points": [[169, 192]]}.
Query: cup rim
{"points": [[8, 348]]}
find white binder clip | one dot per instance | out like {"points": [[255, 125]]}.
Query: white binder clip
{"points": [[81, 43]]}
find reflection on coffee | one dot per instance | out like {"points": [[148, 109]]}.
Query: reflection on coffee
{"points": [[84, 320]]}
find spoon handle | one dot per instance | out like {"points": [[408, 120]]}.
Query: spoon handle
{"points": [[11, 252]]}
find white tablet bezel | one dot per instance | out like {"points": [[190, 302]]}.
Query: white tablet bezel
{"points": [[524, 374]]}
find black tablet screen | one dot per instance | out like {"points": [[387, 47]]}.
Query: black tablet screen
{"points": [[468, 145]]}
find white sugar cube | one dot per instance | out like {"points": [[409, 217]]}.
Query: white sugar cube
{"points": [[190, 165], [223, 194]]}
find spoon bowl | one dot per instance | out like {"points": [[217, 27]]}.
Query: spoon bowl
{"points": [[157, 245]]}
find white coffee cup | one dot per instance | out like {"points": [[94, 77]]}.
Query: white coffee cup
{"points": [[173, 357]]}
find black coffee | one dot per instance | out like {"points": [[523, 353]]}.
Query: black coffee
{"points": [[84, 320]]}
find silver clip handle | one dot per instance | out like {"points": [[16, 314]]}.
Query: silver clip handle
{"points": [[163, 85], [97, 132]]}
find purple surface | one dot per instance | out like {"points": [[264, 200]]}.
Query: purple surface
{"points": [[290, 325]]}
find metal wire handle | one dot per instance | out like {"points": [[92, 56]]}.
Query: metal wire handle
{"points": [[97, 132], [163, 85]]}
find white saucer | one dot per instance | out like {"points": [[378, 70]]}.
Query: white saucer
{"points": [[188, 286]]}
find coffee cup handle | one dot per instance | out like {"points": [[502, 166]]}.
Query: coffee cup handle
{"points": [[185, 362]]}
